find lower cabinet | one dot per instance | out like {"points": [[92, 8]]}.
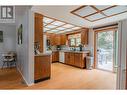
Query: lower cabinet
{"points": [[42, 68], [75, 59], [55, 56]]}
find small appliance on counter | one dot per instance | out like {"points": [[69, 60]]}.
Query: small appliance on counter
{"points": [[80, 47], [58, 47], [36, 48]]}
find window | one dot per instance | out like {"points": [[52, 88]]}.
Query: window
{"points": [[74, 39]]}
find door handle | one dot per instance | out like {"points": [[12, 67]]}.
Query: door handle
{"points": [[124, 70]]}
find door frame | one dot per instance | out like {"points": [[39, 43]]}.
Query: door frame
{"points": [[95, 43]]}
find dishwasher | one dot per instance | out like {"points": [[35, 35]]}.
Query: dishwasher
{"points": [[61, 57]]}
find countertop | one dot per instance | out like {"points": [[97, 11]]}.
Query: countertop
{"points": [[50, 53], [44, 54], [86, 51]]}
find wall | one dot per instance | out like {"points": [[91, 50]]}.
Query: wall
{"points": [[91, 41], [9, 39], [25, 51], [122, 46]]}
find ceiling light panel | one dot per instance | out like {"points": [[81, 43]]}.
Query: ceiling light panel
{"points": [[61, 28], [58, 23], [87, 10], [47, 20], [95, 17], [68, 26], [115, 10], [61, 32], [54, 30], [102, 7], [46, 29], [76, 28], [68, 30], [51, 26], [44, 24]]}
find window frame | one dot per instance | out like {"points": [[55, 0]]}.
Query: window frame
{"points": [[74, 38]]}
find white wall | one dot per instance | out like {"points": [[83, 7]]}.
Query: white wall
{"points": [[25, 51], [9, 36], [9, 39], [91, 41], [122, 46]]}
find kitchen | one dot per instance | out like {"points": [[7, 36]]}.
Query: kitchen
{"points": [[63, 47]]}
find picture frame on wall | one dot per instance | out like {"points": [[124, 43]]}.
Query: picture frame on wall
{"points": [[1, 36], [20, 37]]}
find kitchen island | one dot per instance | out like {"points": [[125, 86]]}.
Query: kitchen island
{"points": [[42, 67]]}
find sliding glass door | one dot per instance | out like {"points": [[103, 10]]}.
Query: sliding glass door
{"points": [[106, 50]]}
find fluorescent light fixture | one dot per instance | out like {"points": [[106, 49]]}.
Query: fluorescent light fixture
{"points": [[46, 29], [47, 20], [87, 10], [58, 23], [95, 17], [75, 28], [115, 10], [68, 26], [60, 28], [50, 26], [102, 7]]}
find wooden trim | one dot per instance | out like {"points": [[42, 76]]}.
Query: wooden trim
{"points": [[97, 11], [65, 23], [106, 29], [95, 45], [61, 21], [75, 40]]}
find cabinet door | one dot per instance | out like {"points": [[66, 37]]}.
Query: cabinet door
{"points": [[57, 39], [84, 36], [52, 39], [55, 56], [78, 60], [71, 58], [38, 18], [67, 57], [63, 39], [42, 67]]}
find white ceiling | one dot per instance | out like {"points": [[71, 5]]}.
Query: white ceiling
{"points": [[63, 13]]}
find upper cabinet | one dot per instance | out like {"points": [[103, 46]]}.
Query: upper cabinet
{"points": [[63, 39], [38, 26], [56, 39], [84, 36]]}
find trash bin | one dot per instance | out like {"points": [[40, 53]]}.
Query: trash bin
{"points": [[89, 62]]}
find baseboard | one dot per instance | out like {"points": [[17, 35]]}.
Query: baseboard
{"points": [[24, 78]]}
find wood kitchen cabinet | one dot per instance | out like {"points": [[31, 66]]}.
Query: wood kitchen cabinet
{"points": [[75, 59], [38, 30], [55, 56], [67, 57], [57, 39], [84, 36], [63, 39], [80, 60], [42, 68], [72, 57]]}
